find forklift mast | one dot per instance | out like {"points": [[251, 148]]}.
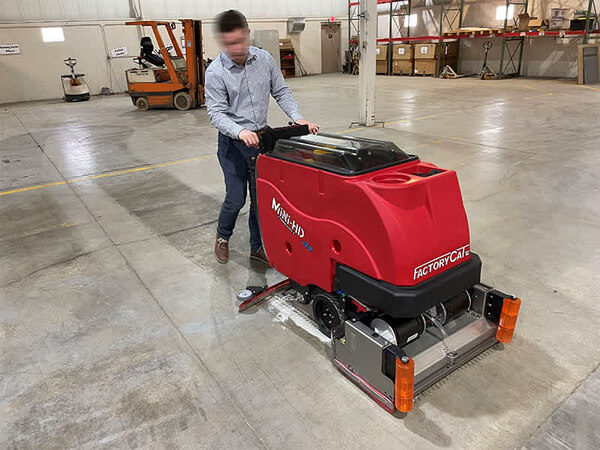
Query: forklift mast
{"points": [[192, 33]]}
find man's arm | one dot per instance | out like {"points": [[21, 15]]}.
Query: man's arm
{"points": [[217, 106], [285, 99], [282, 93]]}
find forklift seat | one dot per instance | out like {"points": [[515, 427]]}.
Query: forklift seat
{"points": [[146, 52]]}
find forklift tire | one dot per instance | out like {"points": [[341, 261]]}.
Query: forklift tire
{"points": [[328, 315], [142, 103], [182, 101]]}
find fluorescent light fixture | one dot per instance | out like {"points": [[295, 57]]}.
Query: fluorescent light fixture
{"points": [[54, 34], [410, 21], [502, 13]]}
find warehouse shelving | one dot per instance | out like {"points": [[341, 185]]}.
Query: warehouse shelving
{"points": [[512, 41]]}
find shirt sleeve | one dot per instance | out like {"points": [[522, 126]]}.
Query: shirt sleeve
{"points": [[217, 106], [282, 93]]}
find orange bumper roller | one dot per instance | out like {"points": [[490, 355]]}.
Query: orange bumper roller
{"points": [[404, 385], [508, 320]]}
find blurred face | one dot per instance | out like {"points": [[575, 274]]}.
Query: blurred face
{"points": [[235, 44]]}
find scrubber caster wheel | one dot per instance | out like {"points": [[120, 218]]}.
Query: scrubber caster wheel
{"points": [[328, 315]]}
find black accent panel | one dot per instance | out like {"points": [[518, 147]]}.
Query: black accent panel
{"points": [[494, 300], [408, 301], [270, 136], [388, 363]]}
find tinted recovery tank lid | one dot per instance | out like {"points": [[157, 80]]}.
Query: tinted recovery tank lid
{"points": [[340, 154]]}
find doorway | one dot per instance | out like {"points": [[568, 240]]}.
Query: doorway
{"points": [[331, 60]]}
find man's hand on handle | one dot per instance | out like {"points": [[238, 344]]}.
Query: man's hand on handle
{"points": [[250, 138], [312, 127]]}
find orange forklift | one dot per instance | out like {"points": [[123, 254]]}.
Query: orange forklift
{"points": [[163, 79]]}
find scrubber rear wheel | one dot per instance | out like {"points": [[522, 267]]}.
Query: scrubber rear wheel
{"points": [[328, 315]]}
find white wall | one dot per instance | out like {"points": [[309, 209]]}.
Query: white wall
{"points": [[39, 10]]}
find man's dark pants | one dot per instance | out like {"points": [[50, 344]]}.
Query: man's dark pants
{"points": [[233, 157]]}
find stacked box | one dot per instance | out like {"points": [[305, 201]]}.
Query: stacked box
{"points": [[559, 19], [403, 59], [425, 59], [381, 59]]}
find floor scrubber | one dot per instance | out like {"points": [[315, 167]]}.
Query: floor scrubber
{"points": [[377, 241], [74, 85]]}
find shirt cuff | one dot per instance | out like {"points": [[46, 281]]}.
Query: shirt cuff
{"points": [[234, 131], [296, 117]]}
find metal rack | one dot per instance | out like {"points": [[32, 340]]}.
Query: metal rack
{"points": [[451, 17], [399, 10], [512, 46], [511, 56]]}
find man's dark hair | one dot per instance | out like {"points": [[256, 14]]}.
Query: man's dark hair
{"points": [[231, 20]]}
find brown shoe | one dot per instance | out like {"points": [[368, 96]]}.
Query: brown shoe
{"points": [[260, 255], [222, 249]]}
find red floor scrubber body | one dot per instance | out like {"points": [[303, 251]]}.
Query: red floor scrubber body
{"points": [[378, 242]]}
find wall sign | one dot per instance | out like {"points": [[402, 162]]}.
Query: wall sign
{"points": [[10, 49], [119, 51], [424, 50], [401, 51]]}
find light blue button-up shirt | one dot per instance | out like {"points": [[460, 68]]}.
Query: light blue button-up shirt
{"points": [[237, 97]]}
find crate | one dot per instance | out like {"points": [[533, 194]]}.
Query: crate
{"points": [[403, 66], [381, 53], [381, 67], [425, 51], [402, 52], [425, 66]]}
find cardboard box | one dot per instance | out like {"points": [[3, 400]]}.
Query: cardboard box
{"points": [[381, 67], [425, 51], [381, 53], [403, 66], [536, 23], [425, 66], [559, 13], [523, 23], [559, 24], [285, 44], [402, 51]]}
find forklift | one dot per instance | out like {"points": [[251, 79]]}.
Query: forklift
{"points": [[164, 80]]}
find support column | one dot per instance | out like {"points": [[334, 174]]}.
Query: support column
{"points": [[366, 65]]}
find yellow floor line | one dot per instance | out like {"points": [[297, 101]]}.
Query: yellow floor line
{"points": [[105, 175], [587, 87]]}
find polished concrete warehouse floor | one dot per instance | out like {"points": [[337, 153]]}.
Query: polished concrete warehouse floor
{"points": [[119, 329]]}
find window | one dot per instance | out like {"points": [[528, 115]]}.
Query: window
{"points": [[501, 12], [410, 21], [53, 34]]}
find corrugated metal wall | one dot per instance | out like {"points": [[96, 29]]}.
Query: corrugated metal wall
{"points": [[57, 10], [42, 10]]}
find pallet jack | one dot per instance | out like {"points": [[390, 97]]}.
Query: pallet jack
{"points": [[378, 242], [486, 72], [164, 80], [74, 85]]}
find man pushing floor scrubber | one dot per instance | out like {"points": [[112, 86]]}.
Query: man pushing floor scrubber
{"points": [[376, 240]]}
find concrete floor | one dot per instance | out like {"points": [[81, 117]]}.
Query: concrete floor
{"points": [[119, 329]]}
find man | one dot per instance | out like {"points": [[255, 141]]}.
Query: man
{"points": [[238, 84]]}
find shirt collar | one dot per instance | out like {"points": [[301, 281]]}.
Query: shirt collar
{"points": [[228, 62]]}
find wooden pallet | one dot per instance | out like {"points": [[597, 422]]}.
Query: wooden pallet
{"points": [[474, 31]]}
